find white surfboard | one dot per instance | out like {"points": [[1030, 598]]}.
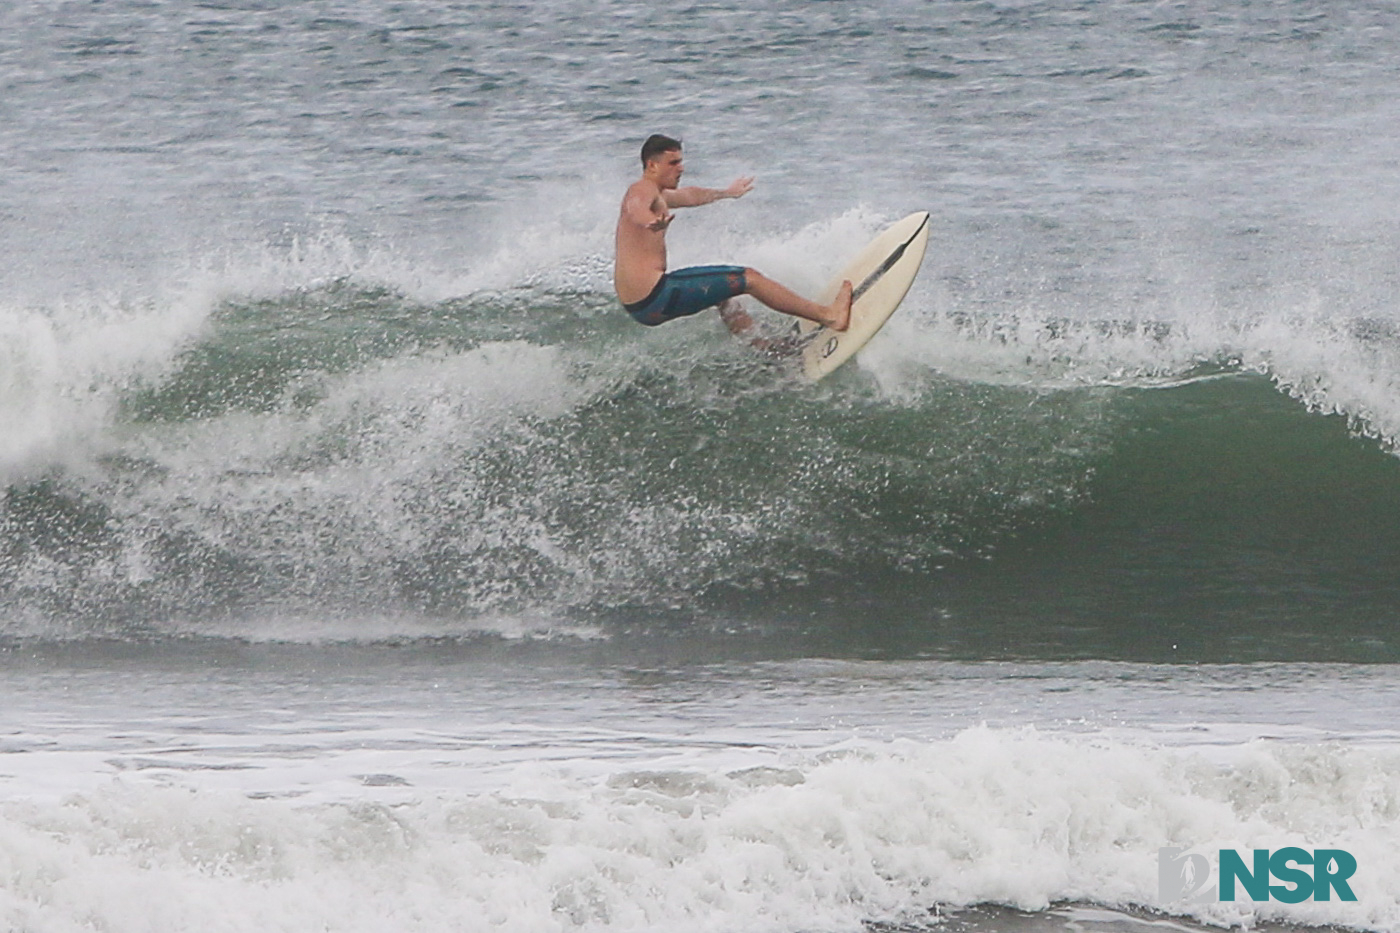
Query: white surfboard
{"points": [[881, 275]]}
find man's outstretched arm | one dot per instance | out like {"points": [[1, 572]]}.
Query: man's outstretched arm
{"points": [[695, 197]]}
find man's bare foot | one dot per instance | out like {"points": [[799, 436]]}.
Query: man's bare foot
{"points": [[841, 308]]}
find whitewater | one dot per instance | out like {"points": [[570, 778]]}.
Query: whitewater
{"points": [[364, 567], [436, 789]]}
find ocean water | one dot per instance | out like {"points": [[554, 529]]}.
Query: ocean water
{"points": [[364, 567]]}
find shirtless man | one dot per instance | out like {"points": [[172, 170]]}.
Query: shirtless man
{"points": [[654, 296]]}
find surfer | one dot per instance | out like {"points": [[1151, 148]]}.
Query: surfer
{"points": [[653, 295]]}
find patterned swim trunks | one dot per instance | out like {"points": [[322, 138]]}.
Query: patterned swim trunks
{"points": [[688, 291]]}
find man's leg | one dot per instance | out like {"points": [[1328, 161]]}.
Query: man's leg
{"points": [[741, 325], [734, 317], [836, 315]]}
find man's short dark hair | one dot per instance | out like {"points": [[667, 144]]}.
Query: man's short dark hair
{"points": [[657, 144]]}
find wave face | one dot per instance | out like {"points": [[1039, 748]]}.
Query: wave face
{"points": [[524, 458]]}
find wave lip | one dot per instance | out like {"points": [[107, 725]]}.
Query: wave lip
{"points": [[64, 369], [1334, 366]]}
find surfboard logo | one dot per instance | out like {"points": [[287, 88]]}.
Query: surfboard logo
{"points": [[830, 347]]}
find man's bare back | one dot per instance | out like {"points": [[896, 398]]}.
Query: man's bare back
{"points": [[640, 271]]}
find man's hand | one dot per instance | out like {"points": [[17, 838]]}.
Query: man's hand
{"points": [[661, 222], [739, 187]]}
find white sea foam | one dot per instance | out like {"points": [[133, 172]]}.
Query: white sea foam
{"points": [[69, 355], [792, 841], [339, 487], [64, 365], [1334, 367]]}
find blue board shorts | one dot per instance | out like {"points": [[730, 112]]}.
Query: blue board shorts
{"points": [[688, 291]]}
